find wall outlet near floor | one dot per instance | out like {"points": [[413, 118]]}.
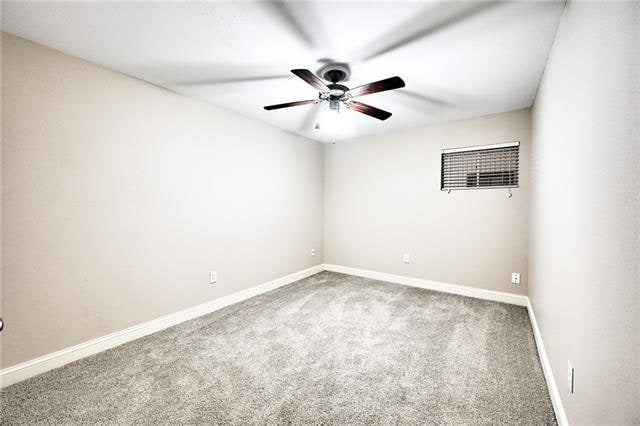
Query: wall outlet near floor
{"points": [[406, 258], [213, 277], [570, 376], [313, 252], [515, 278]]}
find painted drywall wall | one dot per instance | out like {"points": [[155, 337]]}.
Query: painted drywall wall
{"points": [[383, 199], [119, 197], [584, 236]]}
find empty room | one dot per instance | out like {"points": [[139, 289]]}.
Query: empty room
{"points": [[314, 212]]}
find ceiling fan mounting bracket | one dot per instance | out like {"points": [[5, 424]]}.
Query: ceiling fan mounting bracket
{"points": [[335, 72]]}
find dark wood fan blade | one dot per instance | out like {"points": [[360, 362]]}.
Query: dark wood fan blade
{"points": [[289, 104], [311, 79], [377, 86], [369, 110]]}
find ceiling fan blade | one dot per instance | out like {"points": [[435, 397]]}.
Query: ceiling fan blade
{"points": [[212, 81], [422, 98], [414, 29], [290, 104], [284, 12], [310, 119], [369, 110], [311, 79], [377, 86]]}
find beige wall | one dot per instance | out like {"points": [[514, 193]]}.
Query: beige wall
{"points": [[383, 199], [585, 241], [119, 197]]}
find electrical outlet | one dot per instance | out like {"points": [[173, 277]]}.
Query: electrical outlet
{"points": [[406, 258], [313, 252], [515, 278], [570, 376], [213, 277]]}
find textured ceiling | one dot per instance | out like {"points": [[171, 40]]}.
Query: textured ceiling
{"points": [[458, 59]]}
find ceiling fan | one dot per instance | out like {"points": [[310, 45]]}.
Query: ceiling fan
{"points": [[338, 94]]}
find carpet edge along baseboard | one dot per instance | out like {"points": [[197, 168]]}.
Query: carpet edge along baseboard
{"points": [[42, 364], [34, 367]]}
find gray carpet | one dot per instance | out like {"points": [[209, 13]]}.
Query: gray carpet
{"points": [[331, 349]]}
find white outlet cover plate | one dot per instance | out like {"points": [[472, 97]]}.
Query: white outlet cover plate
{"points": [[570, 374], [406, 258], [515, 278], [213, 277]]}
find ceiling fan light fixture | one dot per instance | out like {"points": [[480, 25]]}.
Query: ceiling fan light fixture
{"points": [[330, 120]]}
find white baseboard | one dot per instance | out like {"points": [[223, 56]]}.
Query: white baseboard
{"points": [[25, 370], [554, 393], [17, 373], [478, 293]]}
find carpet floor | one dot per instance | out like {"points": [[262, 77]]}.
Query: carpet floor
{"points": [[329, 349]]}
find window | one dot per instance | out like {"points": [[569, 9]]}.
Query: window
{"points": [[489, 166]]}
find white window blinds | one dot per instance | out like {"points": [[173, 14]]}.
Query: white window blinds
{"points": [[489, 166]]}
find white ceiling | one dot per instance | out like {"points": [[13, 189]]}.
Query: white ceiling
{"points": [[458, 59]]}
